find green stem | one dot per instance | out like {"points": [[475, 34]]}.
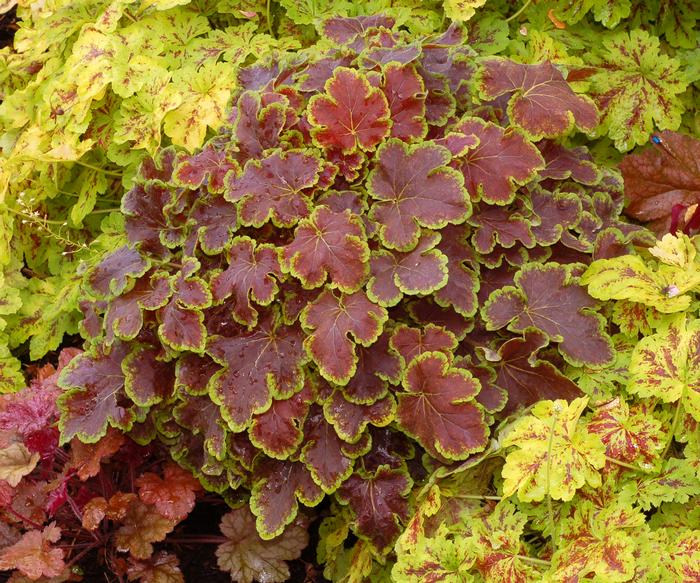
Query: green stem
{"points": [[533, 560], [268, 17], [475, 497], [626, 465], [550, 507], [33, 219], [98, 169], [674, 426], [112, 210], [519, 12]]}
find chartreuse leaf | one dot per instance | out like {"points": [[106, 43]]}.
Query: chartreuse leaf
{"points": [[462, 10], [555, 456], [666, 365], [636, 87], [599, 540]]}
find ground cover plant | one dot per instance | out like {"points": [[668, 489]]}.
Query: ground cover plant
{"points": [[369, 283]]}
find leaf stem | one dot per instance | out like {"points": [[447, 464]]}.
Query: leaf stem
{"points": [[214, 540], [268, 18], [476, 497], [29, 521], [534, 560], [626, 465], [519, 12], [674, 426]]}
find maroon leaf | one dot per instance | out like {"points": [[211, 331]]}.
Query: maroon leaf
{"points": [[215, 219], [438, 407], [500, 225], [491, 397], [145, 221], [375, 366], [413, 187], [273, 188], [258, 364], [502, 160], [256, 128], [342, 30], [662, 178], [147, 379], [329, 245], [330, 319], [463, 281], [379, 504], [562, 163], [351, 114], [350, 419], [94, 397], [210, 164], [192, 373], [276, 488], [412, 342], [278, 431], [527, 378], [546, 297], [405, 93], [201, 416], [116, 271], [557, 213], [419, 271], [249, 276]]}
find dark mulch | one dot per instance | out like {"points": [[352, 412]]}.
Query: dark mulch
{"points": [[8, 26]]}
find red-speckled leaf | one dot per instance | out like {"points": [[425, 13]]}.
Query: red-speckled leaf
{"points": [[351, 114], [463, 280], [438, 408], [375, 366], [266, 361], [328, 457], [201, 416], [248, 278], [412, 342], [329, 245], [413, 187], [173, 495], [256, 128], [278, 431], [350, 419], [330, 319], [676, 481], [562, 163], [342, 30], [215, 219], [502, 160], [379, 503], [275, 188], [405, 93], [419, 271], [629, 433], [94, 397], [147, 379], [124, 316], [541, 101], [661, 178], [548, 298], [116, 271], [276, 488], [210, 165], [499, 225], [525, 377]]}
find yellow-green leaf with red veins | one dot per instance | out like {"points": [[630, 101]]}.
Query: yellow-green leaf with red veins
{"points": [[667, 365], [258, 364], [496, 541], [248, 278], [330, 319], [328, 245], [556, 454], [540, 101], [276, 187], [379, 503], [249, 558], [162, 567], [441, 558], [16, 461], [676, 482], [94, 396], [33, 554], [438, 409], [351, 114], [278, 488], [413, 187], [420, 271], [629, 433], [600, 541], [173, 495], [682, 557], [142, 526], [636, 87], [550, 299], [502, 160], [140, 116], [203, 94]]}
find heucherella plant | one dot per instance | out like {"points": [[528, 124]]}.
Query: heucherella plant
{"points": [[377, 257]]}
